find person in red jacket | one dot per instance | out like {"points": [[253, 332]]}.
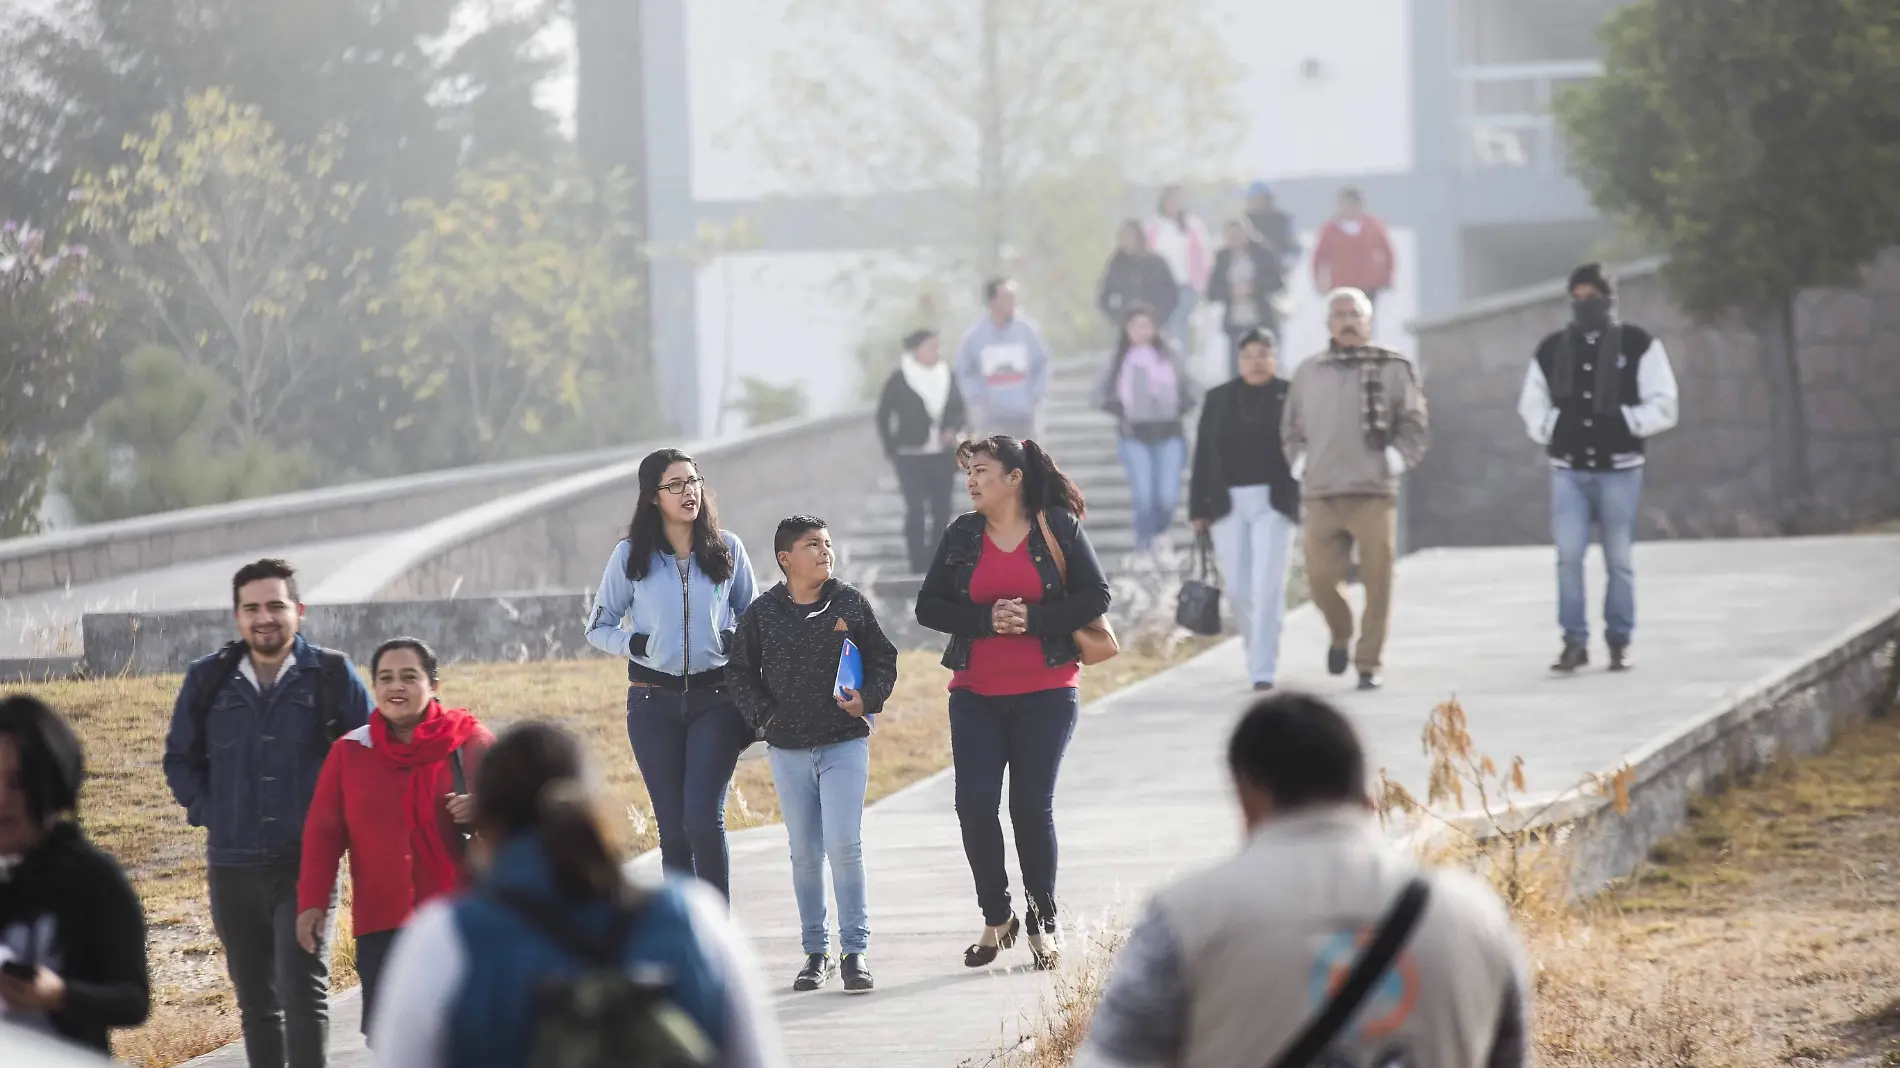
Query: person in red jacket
{"points": [[389, 794], [1353, 250]]}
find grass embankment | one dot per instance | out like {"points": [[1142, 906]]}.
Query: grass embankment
{"points": [[129, 812], [1762, 934]]}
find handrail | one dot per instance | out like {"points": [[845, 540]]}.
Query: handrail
{"points": [[1551, 70], [1527, 296], [363, 578]]}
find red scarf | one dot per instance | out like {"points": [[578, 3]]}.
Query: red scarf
{"points": [[440, 732]]}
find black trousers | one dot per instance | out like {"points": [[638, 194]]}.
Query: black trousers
{"points": [[372, 952], [283, 993], [926, 482], [1026, 735]]}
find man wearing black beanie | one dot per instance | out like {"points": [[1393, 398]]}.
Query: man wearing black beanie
{"points": [[1594, 392]]}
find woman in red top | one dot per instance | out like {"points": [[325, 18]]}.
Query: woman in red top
{"points": [[996, 589], [388, 794]]}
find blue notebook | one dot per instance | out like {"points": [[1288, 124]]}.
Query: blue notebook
{"points": [[850, 674]]}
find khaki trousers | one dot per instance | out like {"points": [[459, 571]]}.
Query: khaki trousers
{"points": [[1333, 526]]}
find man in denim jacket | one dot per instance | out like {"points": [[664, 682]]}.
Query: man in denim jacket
{"points": [[243, 759]]}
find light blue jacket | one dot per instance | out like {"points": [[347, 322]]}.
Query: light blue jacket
{"points": [[667, 624]]}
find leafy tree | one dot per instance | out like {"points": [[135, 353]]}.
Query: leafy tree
{"points": [[49, 336], [163, 443], [515, 308], [1022, 123], [222, 233], [1756, 142]]}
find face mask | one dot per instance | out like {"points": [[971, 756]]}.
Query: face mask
{"points": [[1591, 313]]}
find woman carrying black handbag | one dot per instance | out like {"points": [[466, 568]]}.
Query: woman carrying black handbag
{"points": [[1243, 495]]}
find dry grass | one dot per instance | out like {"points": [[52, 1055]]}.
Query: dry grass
{"points": [[1762, 934], [129, 812]]}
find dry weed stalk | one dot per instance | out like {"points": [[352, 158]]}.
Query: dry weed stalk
{"points": [[1518, 849]]}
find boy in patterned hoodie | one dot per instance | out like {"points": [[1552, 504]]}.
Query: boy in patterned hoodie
{"points": [[782, 672]]}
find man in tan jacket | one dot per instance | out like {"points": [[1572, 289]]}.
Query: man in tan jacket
{"points": [[1234, 966], [1355, 421]]}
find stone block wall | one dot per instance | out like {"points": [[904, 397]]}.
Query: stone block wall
{"points": [[1485, 483]]}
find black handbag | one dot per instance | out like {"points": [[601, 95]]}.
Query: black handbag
{"points": [[1198, 606]]}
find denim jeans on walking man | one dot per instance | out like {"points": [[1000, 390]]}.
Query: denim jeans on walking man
{"points": [[1025, 734], [283, 993], [821, 799], [687, 745], [1253, 543], [1154, 484], [1611, 501]]}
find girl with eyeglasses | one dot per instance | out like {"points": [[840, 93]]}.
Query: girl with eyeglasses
{"points": [[669, 602]]}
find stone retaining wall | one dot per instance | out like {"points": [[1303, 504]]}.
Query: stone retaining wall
{"points": [[1485, 483]]}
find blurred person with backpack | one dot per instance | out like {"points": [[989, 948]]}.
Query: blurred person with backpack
{"points": [[394, 794], [249, 733], [1136, 275], [1002, 366], [920, 416], [1272, 227], [552, 959], [1148, 389], [72, 932]]}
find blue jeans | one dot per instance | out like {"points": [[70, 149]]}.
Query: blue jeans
{"points": [[1181, 321], [1254, 546], [1025, 734], [1154, 484], [1611, 501], [687, 744], [821, 797]]}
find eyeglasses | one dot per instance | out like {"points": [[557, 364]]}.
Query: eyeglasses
{"points": [[679, 488]]}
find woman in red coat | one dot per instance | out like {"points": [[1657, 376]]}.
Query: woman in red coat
{"points": [[389, 794]]}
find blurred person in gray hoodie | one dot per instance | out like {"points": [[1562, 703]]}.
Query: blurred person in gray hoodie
{"points": [[1003, 367]]}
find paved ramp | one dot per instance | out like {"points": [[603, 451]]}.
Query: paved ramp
{"points": [[47, 623], [1144, 793]]}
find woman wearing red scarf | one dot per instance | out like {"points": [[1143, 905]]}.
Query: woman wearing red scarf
{"points": [[387, 794]]}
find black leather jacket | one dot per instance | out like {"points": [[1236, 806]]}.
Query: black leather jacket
{"points": [[944, 603]]}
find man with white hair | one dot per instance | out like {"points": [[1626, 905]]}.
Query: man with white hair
{"points": [[1355, 422]]}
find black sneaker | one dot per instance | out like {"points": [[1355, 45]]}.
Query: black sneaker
{"points": [[1620, 659], [857, 974], [816, 972], [1572, 658], [1370, 680], [1336, 661], [1262, 687]]}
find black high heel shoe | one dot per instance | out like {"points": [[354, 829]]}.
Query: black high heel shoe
{"points": [[979, 954]]}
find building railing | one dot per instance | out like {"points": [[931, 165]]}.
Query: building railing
{"points": [[1505, 115]]}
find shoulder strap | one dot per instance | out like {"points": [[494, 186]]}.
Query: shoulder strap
{"points": [[458, 779], [1055, 549], [215, 676], [1394, 929], [332, 672], [551, 922]]}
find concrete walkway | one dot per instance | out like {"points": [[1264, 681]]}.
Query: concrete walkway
{"points": [[1144, 794]]}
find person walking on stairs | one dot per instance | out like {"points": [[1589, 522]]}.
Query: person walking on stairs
{"points": [[784, 675], [1148, 389], [1245, 282], [1242, 493], [1353, 250], [669, 601], [249, 733], [1321, 942], [1593, 394], [72, 931], [1012, 582], [920, 418], [1002, 366], [1180, 238], [554, 957], [395, 795], [1355, 422], [1135, 276]]}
